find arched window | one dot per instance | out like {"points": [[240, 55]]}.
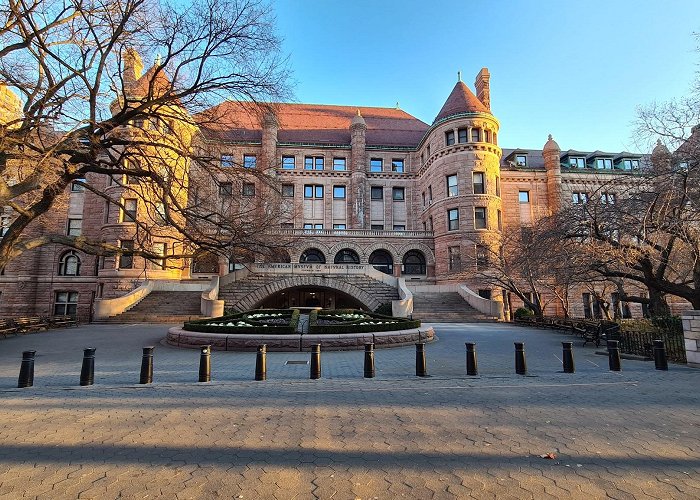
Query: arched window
{"points": [[69, 265], [205, 262], [346, 256], [312, 255], [382, 261], [413, 262]]}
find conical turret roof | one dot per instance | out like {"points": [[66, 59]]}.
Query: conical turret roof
{"points": [[461, 100]]}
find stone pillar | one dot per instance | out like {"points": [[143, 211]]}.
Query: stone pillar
{"points": [[483, 87], [552, 163], [269, 140], [691, 334], [359, 208]]}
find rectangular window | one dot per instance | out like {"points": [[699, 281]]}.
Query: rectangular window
{"points": [[479, 217], [479, 186], [450, 137], [524, 196], [225, 189], [499, 220], [159, 249], [287, 225], [462, 135], [65, 304], [577, 162], [498, 186], [397, 165], [339, 226], [397, 194], [377, 193], [126, 261], [339, 164], [77, 188], [430, 194], [399, 227], [4, 225], [482, 257], [430, 223], [453, 219], [75, 227], [422, 197], [484, 293], [248, 189], [288, 190], [630, 164], [487, 136], [454, 259], [129, 210], [587, 306], [476, 135], [377, 227], [227, 161], [288, 163], [603, 163], [579, 198], [607, 198], [452, 187], [339, 192], [376, 165], [521, 160], [160, 216], [313, 191], [250, 161], [313, 163]]}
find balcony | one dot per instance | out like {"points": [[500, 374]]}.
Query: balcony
{"points": [[354, 233]]}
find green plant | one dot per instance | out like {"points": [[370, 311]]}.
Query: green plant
{"points": [[522, 313], [384, 309]]}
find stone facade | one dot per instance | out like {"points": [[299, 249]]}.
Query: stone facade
{"points": [[691, 334]]}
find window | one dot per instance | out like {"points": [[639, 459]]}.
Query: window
{"points": [[4, 225], [346, 256], [482, 257], [480, 217], [499, 220], [286, 225], [250, 161], [313, 163], [484, 293], [339, 226], [339, 164], [577, 162], [227, 161], [498, 186], [288, 162], [129, 210], [132, 179], [450, 137], [126, 261], [377, 227], [288, 190], [159, 249], [65, 304], [462, 135], [313, 191], [479, 186], [225, 189], [69, 264], [397, 165], [430, 223], [376, 165], [452, 187], [487, 136], [422, 197], [454, 259], [607, 198], [579, 198], [75, 227], [430, 194], [524, 196], [339, 192], [77, 188], [377, 193], [414, 262], [603, 163], [248, 189], [397, 194], [382, 261], [160, 216], [683, 167], [427, 150], [312, 255], [587, 309], [630, 164], [476, 135], [399, 227], [521, 160], [453, 219]]}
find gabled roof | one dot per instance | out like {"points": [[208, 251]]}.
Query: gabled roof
{"points": [[461, 100], [311, 123], [155, 79]]}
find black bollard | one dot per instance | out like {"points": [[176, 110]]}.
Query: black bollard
{"points": [[472, 369], [146, 366], [369, 360], [614, 355], [87, 373], [315, 372], [205, 363], [520, 363], [421, 368], [26, 370], [660, 360], [568, 357], [261, 363]]}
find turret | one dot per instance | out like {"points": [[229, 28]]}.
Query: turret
{"points": [[552, 163], [661, 160], [10, 105], [133, 67]]}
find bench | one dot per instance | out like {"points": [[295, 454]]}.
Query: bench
{"points": [[591, 333], [7, 327], [30, 324], [60, 321]]}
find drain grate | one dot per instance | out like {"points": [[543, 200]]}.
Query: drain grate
{"points": [[297, 362]]}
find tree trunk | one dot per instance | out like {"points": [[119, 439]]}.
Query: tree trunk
{"points": [[657, 303]]}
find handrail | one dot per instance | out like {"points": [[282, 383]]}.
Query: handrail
{"points": [[210, 305], [403, 307], [104, 308], [489, 307]]}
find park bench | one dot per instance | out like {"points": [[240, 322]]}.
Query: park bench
{"points": [[591, 332], [30, 324], [61, 321], [7, 327]]}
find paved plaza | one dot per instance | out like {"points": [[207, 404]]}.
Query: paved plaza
{"points": [[632, 434]]}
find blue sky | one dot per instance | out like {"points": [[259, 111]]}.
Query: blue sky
{"points": [[577, 70]]}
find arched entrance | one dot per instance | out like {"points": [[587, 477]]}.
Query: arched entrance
{"points": [[382, 261], [303, 296], [346, 256], [414, 263]]}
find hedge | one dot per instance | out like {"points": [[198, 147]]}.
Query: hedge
{"points": [[256, 327], [354, 326]]}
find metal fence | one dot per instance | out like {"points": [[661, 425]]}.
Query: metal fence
{"points": [[642, 344]]}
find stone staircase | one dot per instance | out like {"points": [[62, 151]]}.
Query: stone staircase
{"points": [[162, 307], [447, 307]]}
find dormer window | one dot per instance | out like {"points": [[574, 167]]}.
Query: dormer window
{"points": [[577, 162], [630, 164], [521, 160], [603, 163]]}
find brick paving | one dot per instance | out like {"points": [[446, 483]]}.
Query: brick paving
{"points": [[633, 434]]}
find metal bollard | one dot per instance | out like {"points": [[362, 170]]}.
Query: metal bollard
{"points": [[614, 355], [568, 357], [660, 359], [315, 371], [520, 363], [205, 363], [261, 363], [26, 370], [421, 368], [472, 369], [87, 372], [369, 360], [146, 366]]}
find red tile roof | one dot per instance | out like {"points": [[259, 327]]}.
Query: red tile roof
{"points": [[311, 123], [461, 100]]}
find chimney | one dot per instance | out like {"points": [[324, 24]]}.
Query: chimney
{"points": [[483, 91], [133, 66]]}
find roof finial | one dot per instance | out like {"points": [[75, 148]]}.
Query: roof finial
{"points": [[158, 59], [397, 105], [459, 76], [358, 112], [549, 138]]}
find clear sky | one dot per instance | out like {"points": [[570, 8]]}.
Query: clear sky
{"points": [[575, 69]]}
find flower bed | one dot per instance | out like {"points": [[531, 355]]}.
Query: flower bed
{"points": [[354, 321], [260, 321]]}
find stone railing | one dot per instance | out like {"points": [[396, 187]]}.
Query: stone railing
{"points": [[211, 306], [403, 307], [488, 307], [354, 232]]}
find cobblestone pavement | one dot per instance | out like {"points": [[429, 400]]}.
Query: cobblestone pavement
{"points": [[633, 434]]}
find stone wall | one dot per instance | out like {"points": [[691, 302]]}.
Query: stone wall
{"points": [[691, 333]]}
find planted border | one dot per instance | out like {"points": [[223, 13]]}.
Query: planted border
{"points": [[365, 322], [249, 323]]}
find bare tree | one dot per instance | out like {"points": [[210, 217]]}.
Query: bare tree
{"points": [[87, 111]]}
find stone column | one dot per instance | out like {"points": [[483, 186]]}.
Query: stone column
{"points": [[691, 334], [359, 208], [551, 155]]}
